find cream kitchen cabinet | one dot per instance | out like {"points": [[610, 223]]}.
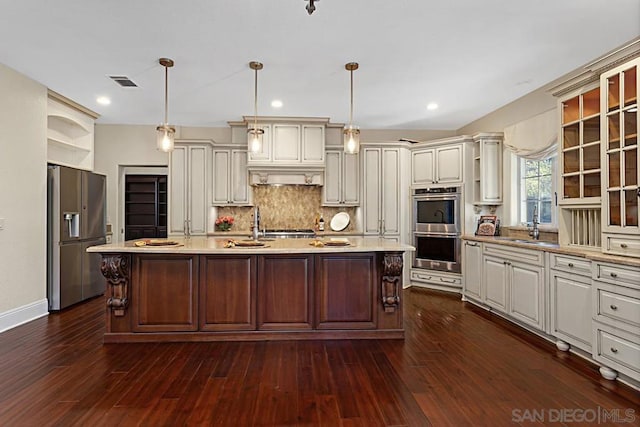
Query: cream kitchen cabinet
{"points": [[570, 301], [513, 282], [620, 88], [487, 169], [472, 270], [382, 191], [341, 179], [189, 196], [290, 144], [616, 319], [438, 165], [230, 177]]}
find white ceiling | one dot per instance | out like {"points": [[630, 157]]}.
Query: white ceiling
{"points": [[469, 56]]}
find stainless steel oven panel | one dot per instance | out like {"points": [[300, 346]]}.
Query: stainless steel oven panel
{"points": [[450, 262], [452, 226]]}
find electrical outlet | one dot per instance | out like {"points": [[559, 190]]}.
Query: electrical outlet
{"points": [[1, 223]]}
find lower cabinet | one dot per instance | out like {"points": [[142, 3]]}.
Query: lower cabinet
{"points": [[494, 281], [171, 297], [285, 298], [570, 301], [433, 279], [513, 283], [341, 305], [472, 270], [616, 319], [166, 293], [228, 293]]}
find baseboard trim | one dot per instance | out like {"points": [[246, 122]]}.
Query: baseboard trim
{"points": [[18, 316]]}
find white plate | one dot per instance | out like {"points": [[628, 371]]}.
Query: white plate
{"points": [[340, 221]]}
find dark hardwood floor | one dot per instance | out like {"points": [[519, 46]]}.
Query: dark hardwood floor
{"points": [[457, 366]]}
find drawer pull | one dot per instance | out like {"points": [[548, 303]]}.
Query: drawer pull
{"points": [[623, 245], [447, 281], [570, 264], [614, 350], [613, 307], [614, 275]]}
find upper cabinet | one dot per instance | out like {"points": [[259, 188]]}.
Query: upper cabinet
{"points": [[289, 142], [487, 169], [341, 179], [70, 133], [439, 165], [619, 105], [230, 177], [580, 147]]}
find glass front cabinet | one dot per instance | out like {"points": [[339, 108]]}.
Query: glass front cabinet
{"points": [[620, 150], [580, 148]]}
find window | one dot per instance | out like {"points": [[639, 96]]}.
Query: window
{"points": [[537, 187]]}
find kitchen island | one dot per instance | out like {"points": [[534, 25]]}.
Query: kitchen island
{"points": [[198, 289]]}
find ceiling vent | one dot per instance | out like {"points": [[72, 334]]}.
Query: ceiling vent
{"points": [[123, 81]]}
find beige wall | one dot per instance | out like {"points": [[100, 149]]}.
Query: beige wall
{"points": [[116, 148], [23, 196]]}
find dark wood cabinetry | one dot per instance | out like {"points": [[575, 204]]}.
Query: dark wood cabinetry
{"points": [[145, 206], [346, 294], [285, 292], [228, 293], [248, 296], [165, 294]]}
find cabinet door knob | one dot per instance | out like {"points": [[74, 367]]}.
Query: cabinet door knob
{"points": [[613, 307], [570, 264], [623, 245], [614, 350], [614, 275]]}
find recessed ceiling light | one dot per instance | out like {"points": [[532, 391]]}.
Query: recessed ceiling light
{"points": [[103, 100], [276, 103], [432, 106]]}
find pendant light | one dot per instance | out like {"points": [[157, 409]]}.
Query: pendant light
{"points": [[351, 133], [166, 133], [255, 134]]}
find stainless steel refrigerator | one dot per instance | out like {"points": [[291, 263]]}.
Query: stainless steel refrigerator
{"points": [[75, 220]]}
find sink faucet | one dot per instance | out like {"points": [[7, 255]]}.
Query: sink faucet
{"points": [[255, 228], [535, 231]]}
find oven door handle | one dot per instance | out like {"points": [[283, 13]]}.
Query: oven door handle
{"points": [[434, 234], [435, 198]]}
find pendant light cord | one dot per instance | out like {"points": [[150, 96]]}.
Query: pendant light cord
{"points": [[255, 103], [351, 104], [166, 95]]}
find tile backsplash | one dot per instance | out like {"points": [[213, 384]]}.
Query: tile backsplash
{"points": [[287, 206]]}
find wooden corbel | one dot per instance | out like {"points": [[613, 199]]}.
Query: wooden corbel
{"points": [[391, 280], [115, 268]]}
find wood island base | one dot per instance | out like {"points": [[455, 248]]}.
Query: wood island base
{"points": [[248, 296]]}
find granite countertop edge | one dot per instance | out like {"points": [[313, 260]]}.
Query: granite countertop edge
{"points": [[593, 255]]}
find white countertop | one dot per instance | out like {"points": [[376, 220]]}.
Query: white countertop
{"points": [[216, 245]]}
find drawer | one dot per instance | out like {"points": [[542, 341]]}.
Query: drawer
{"points": [[434, 277], [618, 304], [620, 352], [621, 245], [570, 264], [530, 256], [618, 274]]}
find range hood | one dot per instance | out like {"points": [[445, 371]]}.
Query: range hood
{"points": [[286, 176]]}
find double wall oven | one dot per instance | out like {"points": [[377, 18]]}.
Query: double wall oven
{"points": [[436, 228]]}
